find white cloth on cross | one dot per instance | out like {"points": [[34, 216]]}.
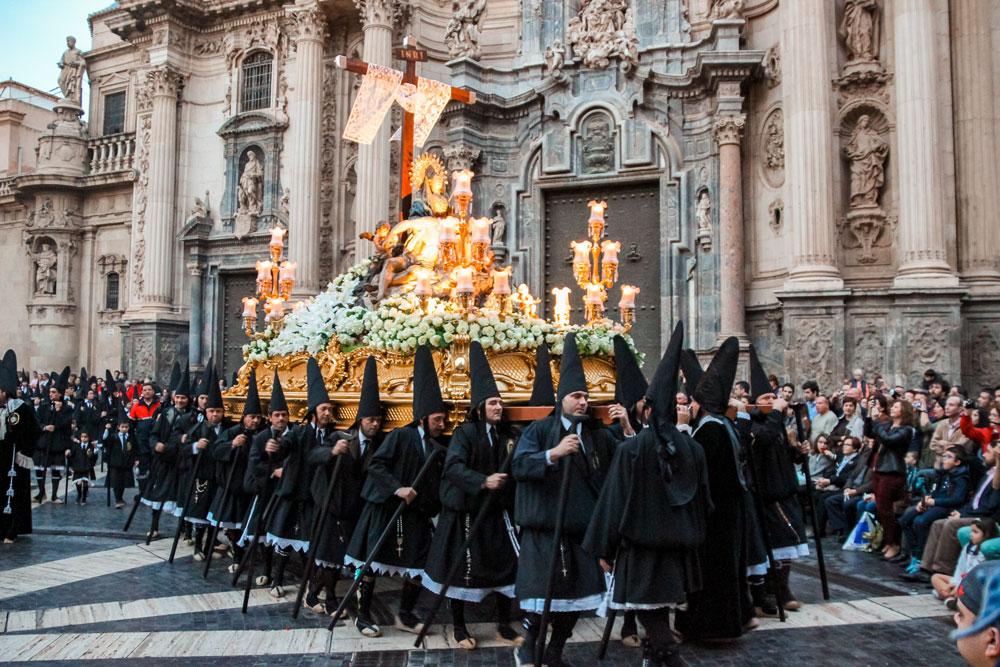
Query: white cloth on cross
{"points": [[379, 88]]}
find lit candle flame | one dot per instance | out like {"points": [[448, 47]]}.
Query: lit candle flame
{"points": [[463, 182], [277, 236], [628, 296], [249, 306]]}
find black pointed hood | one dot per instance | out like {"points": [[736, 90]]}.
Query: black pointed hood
{"points": [[184, 384], [213, 391], [692, 370], [571, 376], [109, 381], [662, 390], [63, 380], [630, 384], [759, 384], [716, 385], [122, 413], [175, 377], [277, 403], [252, 405], [203, 386], [83, 376], [542, 393], [315, 386], [484, 385], [8, 373], [426, 390], [369, 403]]}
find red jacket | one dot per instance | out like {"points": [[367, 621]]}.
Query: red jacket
{"points": [[142, 411], [984, 436]]}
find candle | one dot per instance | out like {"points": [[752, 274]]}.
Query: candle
{"points": [[481, 230], [628, 296], [277, 236], [423, 287], [595, 294], [463, 280], [447, 234], [597, 210], [581, 251], [299, 305], [463, 182], [611, 250], [264, 270], [501, 281], [561, 307], [287, 271], [249, 306], [277, 309]]}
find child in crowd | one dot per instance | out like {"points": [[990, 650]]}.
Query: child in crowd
{"points": [[945, 587], [81, 456]]}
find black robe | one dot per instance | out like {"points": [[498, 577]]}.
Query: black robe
{"points": [[778, 485], [259, 481], [291, 519], [491, 559], [81, 459], [579, 579], [230, 506], [161, 492], [345, 504], [395, 465], [649, 523], [52, 445], [723, 606], [200, 466], [120, 460], [88, 420], [21, 433]]}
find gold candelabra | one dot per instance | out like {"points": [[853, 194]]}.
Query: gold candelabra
{"points": [[275, 280]]}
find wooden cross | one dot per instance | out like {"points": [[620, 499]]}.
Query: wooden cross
{"points": [[411, 54]]}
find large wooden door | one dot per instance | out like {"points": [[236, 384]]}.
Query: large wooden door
{"points": [[633, 217], [235, 286]]}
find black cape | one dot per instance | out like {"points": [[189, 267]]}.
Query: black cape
{"points": [[777, 483], [16, 447], [230, 506]]}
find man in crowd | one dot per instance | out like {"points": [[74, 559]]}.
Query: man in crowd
{"points": [[948, 432], [849, 424], [978, 617], [55, 416], [823, 421], [161, 492], [810, 390], [143, 416]]}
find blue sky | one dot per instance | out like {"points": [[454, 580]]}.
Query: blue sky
{"points": [[34, 36]]}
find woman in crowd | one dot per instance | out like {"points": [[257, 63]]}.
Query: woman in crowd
{"points": [[893, 434]]}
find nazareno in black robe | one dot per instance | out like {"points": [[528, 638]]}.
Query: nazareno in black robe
{"points": [[723, 606], [651, 517], [202, 467], [292, 516], [230, 509], [21, 432], [161, 492], [778, 486], [579, 580], [491, 559], [258, 482], [395, 465]]}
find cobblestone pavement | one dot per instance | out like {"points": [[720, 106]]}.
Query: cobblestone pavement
{"points": [[81, 589]]}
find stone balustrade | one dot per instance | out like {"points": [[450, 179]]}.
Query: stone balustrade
{"points": [[8, 186], [111, 153]]}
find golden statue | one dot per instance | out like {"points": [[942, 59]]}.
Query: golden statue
{"points": [[429, 188]]}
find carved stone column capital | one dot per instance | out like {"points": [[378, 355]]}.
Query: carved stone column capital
{"points": [[309, 24], [460, 156], [729, 129], [379, 12], [164, 82]]}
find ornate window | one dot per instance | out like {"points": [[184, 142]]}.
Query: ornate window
{"points": [[255, 91], [114, 113], [111, 292]]}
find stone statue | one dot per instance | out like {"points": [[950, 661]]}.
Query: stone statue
{"points": [[726, 9], [45, 270], [859, 30], [555, 57], [250, 193], [285, 202], [703, 213], [598, 145], [71, 65], [604, 29], [498, 229], [462, 34], [867, 152]]}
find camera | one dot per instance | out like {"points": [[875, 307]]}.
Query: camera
{"points": [[971, 404]]}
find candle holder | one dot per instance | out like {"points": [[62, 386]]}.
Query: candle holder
{"points": [[275, 280], [595, 264], [609, 272], [464, 301], [593, 312], [628, 318], [503, 304], [249, 325], [479, 253]]}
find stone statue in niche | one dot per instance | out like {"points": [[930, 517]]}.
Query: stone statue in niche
{"points": [[250, 193], [860, 30], [725, 9], [45, 270], [462, 34], [555, 58], [498, 229], [598, 145], [703, 216], [867, 152], [71, 66]]}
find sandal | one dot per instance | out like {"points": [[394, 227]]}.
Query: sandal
{"points": [[463, 638]]}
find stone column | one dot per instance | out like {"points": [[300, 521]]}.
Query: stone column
{"points": [[728, 133], [975, 143], [923, 256], [304, 149], [806, 28], [372, 198], [88, 278], [194, 329], [163, 84]]}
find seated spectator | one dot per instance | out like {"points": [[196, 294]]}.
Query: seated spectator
{"points": [[978, 617], [990, 548], [821, 460], [981, 436], [942, 548], [825, 419], [850, 424], [854, 482], [945, 587], [951, 484]]}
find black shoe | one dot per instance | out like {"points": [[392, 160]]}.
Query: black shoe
{"points": [[315, 603], [899, 559], [367, 627], [407, 621], [919, 577]]}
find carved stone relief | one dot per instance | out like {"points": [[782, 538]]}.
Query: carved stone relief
{"points": [[598, 144], [602, 30], [867, 227], [725, 9], [462, 33], [869, 345], [859, 30], [460, 156], [328, 167], [926, 340], [772, 66], [776, 215], [772, 148], [812, 350], [139, 207], [985, 354]]}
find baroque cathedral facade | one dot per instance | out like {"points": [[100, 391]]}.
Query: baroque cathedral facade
{"points": [[814, 176]]}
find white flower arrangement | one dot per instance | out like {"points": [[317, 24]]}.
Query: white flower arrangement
{"points": [[397, 326]]}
